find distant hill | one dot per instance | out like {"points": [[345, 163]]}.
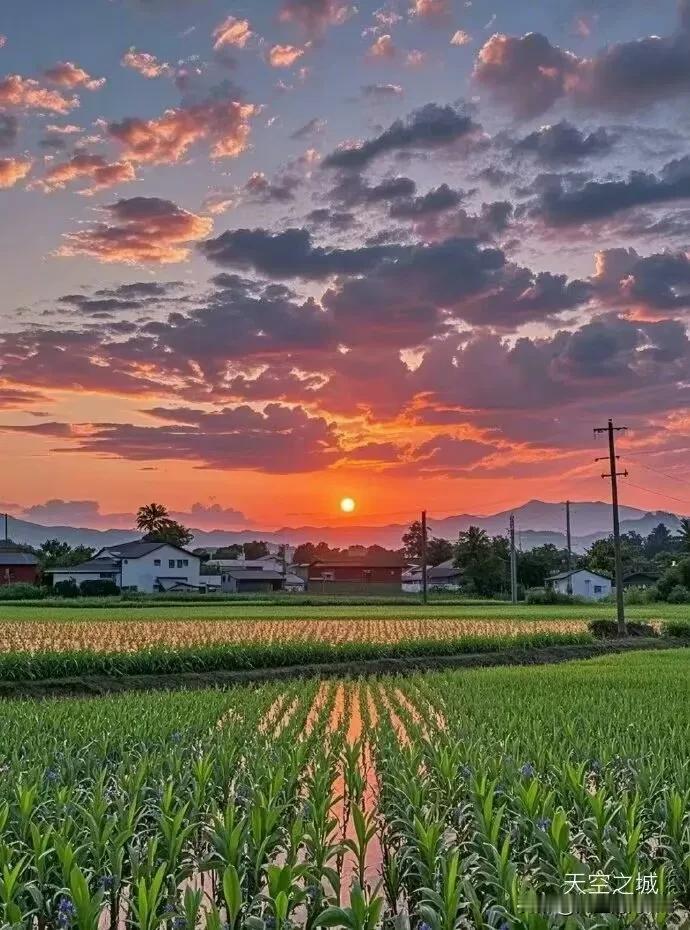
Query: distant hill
{"points": [[537, 522]]}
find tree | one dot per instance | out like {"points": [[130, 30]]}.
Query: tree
{"points": [[228, 552], [256, 549], [152, 517], [305, 553], [171, 532], [685, 534], [438, 550], [483, 561], [54, 553], [536, 564], [412, 542], [659, 540]]}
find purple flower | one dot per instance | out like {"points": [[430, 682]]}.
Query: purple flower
{"points": [[66, 912], [544, 823], [528, 770]]}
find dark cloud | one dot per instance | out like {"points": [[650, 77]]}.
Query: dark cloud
{"points": [[290, 254], [315, 16], [312, 128], [438, 200], [352, 190], [654, 282], [282, 190], [563, 143], [429, 128], [9, 130], [562, 203], [338, 220], [382, 91], [529, 74]]}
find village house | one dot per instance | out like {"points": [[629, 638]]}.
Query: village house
{"points": [[356, 570], [16, 565], [582, 583], [146, 567], [445, 576]]}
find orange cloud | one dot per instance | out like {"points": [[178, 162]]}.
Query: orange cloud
{"points": [[13, 170], [168, 138], [315, 16], [431, 9], [383, 47], [461, 38], [232, 31], [142, 230], [27, 94], [284, 56], [147, 65], [95, 167], [67, 74]]}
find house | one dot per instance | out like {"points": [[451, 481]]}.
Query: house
{"points": [[445, 576], [239, 576], [640, 579], [16, 565], [371, 573], [138, 566], [582, 583]]}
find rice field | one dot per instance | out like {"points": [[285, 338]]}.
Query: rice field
{"points": [[441, 801]]}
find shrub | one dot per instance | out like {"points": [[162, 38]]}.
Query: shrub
{"points": [[636, 595], [550, 596], [679, 629], [21, 591], [678, 595], [604, 628], [99, 587], [66, 589]]}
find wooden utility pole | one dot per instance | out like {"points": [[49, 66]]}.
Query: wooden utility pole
{"points": [[425, 595], [513, 562], [569, 588], [614, 475]]}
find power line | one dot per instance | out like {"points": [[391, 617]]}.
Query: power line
{"points": [[658, 472], [639, 487]]}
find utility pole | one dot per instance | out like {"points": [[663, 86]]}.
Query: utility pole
{"points": [[614, 475], [569, 588], [424, 579], [513, 562]]}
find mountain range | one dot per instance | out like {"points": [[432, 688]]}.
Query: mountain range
{"points": [[537, 522]]}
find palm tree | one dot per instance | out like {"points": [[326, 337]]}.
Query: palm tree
{"points": [[685, 534], [152, 517]]}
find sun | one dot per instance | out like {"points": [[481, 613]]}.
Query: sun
{"points": [[347, 505]]}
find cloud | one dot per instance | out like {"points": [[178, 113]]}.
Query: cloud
{"points": [[431, 9], [27, 94], [145, 64], [277, 440], [529, 74], [58, 512], [315, 16], [259, 189], [96, 168], [658, 282], [13, 397], [289, 254], [13, 170], [460, 38], [311, 128], [429, 128], [3, 41], [67, 74], [383, 47], [448, 455], [382, 91], [562, 202], [563, 143], [232, 32], [142, 230], [167, 139], [437, 200], [284, 56], [352, 190], [9, 129]]}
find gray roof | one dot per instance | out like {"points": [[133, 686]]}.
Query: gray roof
{"points": [[253, 574], [444, 570], [15, 557], [93, 565], [138, 548], [562, 576]]}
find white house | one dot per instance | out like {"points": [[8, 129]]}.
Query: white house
{"points": [[581, 582], [445, 576], [138, 566]]}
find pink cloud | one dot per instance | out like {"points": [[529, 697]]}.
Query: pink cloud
{"points": [[141, 230], [461, 38], [232, 32], [168, 138], [67, 74], [13, 170], [315, 16], [284, 56], [95, 167], [383, 47], [146, 64], [431, 9], [27, 94]]}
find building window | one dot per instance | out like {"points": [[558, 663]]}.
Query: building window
{"points": [[597, 589], [157, 562], [328, 576], [171, 563], [126, 561], [106, 575], [179, 563], [366, 574], [185, 562]]}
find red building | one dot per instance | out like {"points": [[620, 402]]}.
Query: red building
{"points": [[379, 571], [16, 565]]}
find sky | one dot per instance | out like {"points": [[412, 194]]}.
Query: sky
{"points": [[257, 257]]}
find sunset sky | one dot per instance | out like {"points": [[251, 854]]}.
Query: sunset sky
{"points": [[257, 257]]}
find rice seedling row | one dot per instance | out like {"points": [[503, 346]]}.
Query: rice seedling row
{"points": [[441, 801]]}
